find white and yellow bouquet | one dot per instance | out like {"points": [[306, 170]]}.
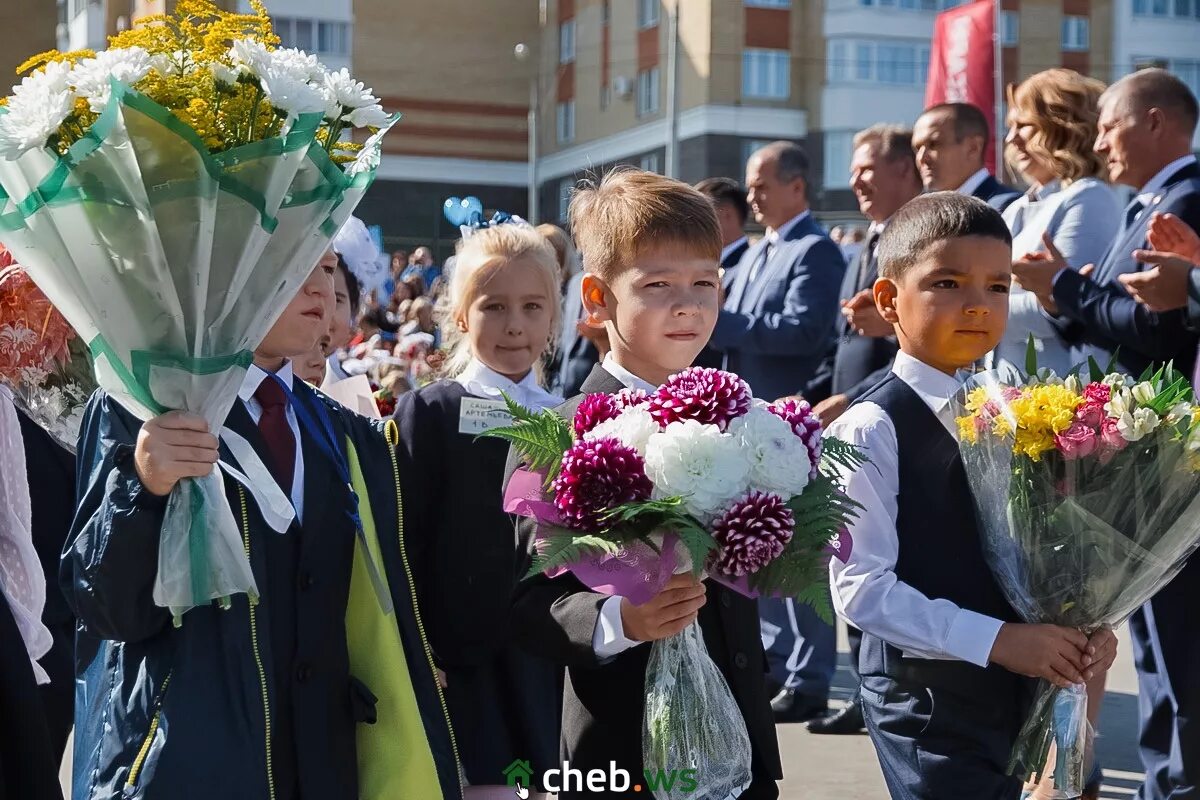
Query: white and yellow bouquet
{"points": [[170, 195]]}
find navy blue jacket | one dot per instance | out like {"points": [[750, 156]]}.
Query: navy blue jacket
{"points": [[995, 193], [182, 713], [1097, 313], [777, 330]]}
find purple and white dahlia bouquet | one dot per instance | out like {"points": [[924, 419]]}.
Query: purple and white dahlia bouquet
{"points": [[698, 477]]}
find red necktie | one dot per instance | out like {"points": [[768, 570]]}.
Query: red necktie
{"points": [[276, 432]]}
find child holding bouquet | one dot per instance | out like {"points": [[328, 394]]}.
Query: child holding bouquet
{"points": [[650, 249], [320, 686], [945, 662], [503, 313]]}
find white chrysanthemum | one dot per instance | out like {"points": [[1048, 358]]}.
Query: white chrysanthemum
{"points": [[348, 92], [37, 108], [223, 73], [779, 460], [1138, 425], [367, 117], [299, 64], [91, 76], [247, 55], [290, 93], [175, 63], [633, 428], [697, 462]]}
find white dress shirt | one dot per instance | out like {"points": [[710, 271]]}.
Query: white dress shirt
{"points": [[255, 376], [866, 591], [483, 381], [729, 248], [974, 182], [608, 639]]}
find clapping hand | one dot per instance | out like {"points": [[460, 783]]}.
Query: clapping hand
{"points": [[1175, 251], [1035, 272], [864, 317]]}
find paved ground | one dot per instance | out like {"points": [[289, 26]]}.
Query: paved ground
{"points": [[844, 767]]}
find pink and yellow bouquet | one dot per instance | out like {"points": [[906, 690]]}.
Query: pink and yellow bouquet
{"points": [[1087, 493]]}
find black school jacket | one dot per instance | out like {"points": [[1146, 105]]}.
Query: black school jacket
{"points": [[603, 702]]}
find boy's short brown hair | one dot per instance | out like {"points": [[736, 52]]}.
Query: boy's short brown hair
{"points": [[631, 210], [931, 218]]}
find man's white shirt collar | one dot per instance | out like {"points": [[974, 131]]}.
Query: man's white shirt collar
{"points": [[256, 375], [775, 236], [483, 381], [627, 378], [974, 182], [1159, 182], [729, 248]]}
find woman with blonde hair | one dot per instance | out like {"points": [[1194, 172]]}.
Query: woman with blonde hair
{"points": [[499, 318], [1052, 124]]}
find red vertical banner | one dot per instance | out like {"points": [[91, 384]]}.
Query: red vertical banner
{"points": [[962, 62]]}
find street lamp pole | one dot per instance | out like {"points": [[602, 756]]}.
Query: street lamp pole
{"points": [[522, 54]]}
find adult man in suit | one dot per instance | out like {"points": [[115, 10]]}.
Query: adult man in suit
{"points": [[1147, 121], [776, 326], [777, 321], [951, 141], [883, 175], [729, 199]]}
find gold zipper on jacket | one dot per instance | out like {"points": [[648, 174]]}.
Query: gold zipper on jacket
{"points": [[140, 760], [393, 438], [262, 673]]}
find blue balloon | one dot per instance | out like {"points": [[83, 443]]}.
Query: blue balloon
{"points": [[474, 208], [454, 211]]}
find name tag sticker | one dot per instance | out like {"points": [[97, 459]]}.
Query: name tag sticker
{"points": [[478, 416]]}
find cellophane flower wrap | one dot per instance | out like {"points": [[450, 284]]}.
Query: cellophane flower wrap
{"points": [[1085, 488], [42, 360], [170, 195], [698, 477]]}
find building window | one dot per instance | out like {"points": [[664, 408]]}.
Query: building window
{"points": [[1187, 9], [78, 7], [1075, 34], [766, 74], [1186, 69], [892, 62], [565, 188], [750, 147], [911, 5], [566, 42], [1010, 28], [650, 163], [769, 3], [648, 11], [647, 92], [320, 37], [839, 147], [566, 122]]}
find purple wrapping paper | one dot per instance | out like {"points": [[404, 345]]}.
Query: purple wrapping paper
{"points": [[636, 572]]}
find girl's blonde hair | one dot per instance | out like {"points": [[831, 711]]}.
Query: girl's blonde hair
{"points": [[481, 257], [1063, 107]]}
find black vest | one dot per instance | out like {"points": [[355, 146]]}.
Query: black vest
{"points": [[940, 554]]}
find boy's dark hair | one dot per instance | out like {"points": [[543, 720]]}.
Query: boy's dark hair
{"points": [[727, 192], [352, 286], [933, 218]]}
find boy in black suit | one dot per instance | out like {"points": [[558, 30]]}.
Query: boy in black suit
{"points": [[650, 248]]}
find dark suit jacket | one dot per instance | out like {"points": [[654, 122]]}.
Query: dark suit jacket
{"points": [[51, 471], [604, 701], [708, 356], [1099, 313], [996, 194], [855, 363], [776, 330]]}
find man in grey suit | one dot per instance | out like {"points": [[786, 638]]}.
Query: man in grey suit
{"points": [[777, 322], [775, 328]]}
